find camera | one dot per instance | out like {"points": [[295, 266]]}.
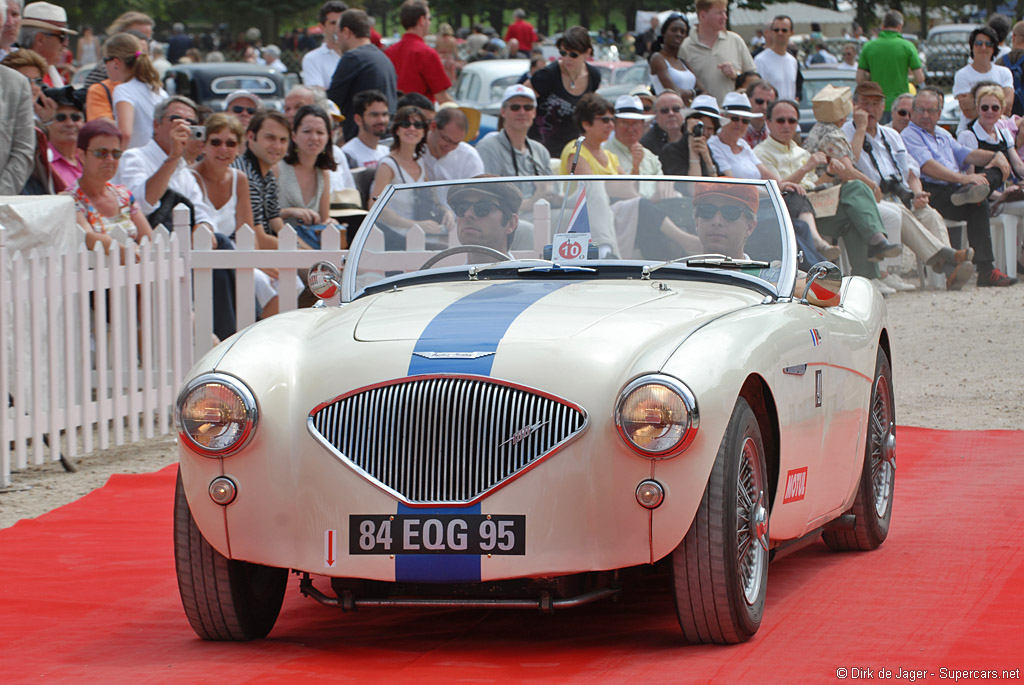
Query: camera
{"points": [[698, 130], [197, 132], [895, 187]]}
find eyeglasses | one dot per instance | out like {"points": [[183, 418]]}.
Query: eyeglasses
{"points": [[446, 138], [606, 119], [62, 37], [481, 208], [983, 108], [739, 119], [412, 124], [38, 81], [903, 112], [983, 44], [178, 117], [74, 116], [517, 107], [569, 53], [675, 110], [104, 152], [784, 120], [759, 101], [778, 30], [648, 108], [238, 109], [931, 110], [728, 212], [217, 142]]}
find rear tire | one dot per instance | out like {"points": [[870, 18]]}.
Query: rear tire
{"points": [[223, 599], [872, 508], [720, 569]]}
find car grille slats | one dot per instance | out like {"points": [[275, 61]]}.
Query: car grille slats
{"points": [[445, 439]]}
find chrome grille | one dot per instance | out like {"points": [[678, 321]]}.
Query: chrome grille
{"points": [[445, 439]]}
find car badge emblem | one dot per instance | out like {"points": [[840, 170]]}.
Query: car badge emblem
{"points": [[523, 433], [452, 355]]}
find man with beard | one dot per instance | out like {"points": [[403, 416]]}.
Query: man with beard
{"points": [[370, 113]]}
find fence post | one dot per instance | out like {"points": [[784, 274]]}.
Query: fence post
{"points": [[5, 290], [202, 303]]}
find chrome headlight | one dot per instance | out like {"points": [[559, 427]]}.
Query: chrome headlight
{"points": [[216, 414], [657, 416]]}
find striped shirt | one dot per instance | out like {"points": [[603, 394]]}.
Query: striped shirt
{"points": [[263, 194]]}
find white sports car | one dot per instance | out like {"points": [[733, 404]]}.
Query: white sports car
{"points": [[517, 393]]}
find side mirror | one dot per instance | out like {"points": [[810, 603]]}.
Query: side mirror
{"points": [[824, 281], [324, 280]]}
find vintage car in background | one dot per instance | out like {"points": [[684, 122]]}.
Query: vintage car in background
{"points": [[946, 51], [619, 78], [481, 84], [526, 403], [210, 83]]}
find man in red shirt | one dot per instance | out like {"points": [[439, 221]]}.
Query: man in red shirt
{"points": [[522, 31], [417, 64]]}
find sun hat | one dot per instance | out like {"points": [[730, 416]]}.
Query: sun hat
{"points": [[705, 105], [738, 104], [631, 107], [238, 94], [44, 15]]}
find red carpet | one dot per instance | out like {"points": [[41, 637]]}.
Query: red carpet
{"points": [[89, 596]]}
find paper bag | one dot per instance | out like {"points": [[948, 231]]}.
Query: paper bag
{"points": [[832, 104], [825, 202]]}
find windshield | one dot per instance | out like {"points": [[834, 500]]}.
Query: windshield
{"points": [[722, 230]]}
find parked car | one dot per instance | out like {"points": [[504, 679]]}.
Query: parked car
{"points": [[816, 78], [946, 50], [482, 428], [481, 85], [619, 78], [210, 83]]}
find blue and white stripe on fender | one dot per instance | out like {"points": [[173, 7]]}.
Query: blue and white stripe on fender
{"points": [[472, 326], [475, 324]]}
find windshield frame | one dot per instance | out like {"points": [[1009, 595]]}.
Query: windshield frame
{"points": [[784, 289]]}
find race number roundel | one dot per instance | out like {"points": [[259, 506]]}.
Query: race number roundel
{"points": [[570, 249]]}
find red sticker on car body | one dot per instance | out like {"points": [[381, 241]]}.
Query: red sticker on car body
{"points": [[796, 485]]}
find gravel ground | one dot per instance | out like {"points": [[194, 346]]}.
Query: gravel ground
{"points": [[955, 367]]}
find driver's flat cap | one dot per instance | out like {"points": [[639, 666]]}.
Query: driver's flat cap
{"points": [[507, 194], [743, 193]]}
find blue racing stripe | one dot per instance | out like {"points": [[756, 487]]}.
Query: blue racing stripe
{"points": [[438, 568], [475, 324]]}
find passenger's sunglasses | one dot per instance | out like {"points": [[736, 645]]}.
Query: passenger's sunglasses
{"points": [[728, 212], [481, 208], [412, 124], [238, 109], [983, 108], [217, 142], [74, 116], [517, 107], [784, 120], [103, 153]]}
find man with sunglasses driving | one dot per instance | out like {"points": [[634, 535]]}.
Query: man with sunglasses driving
{"points": [[487, 214]]}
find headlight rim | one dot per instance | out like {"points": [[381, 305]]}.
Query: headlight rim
{"points": [[243, 391], [684, 393]]}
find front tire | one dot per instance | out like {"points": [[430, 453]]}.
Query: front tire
{"points": [[224, 599], [720, 569], [872, 508]]}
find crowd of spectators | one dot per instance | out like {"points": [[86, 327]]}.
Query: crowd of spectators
{"points": [[367, 115]]}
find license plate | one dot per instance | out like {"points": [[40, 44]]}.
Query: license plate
{"points": [[432, 534]]}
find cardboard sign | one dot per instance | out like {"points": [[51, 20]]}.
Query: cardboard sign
{"points": [[570, 247], [825, 202]]}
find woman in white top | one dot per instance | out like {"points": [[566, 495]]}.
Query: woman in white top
{"points": [[138, 96], [88, 47], [982, 44], [668, 71], [226, 191]]}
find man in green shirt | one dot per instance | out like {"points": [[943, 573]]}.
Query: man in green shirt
{"points": [[890, 59]]}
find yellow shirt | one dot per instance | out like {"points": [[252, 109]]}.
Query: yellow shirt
{"points": [[570, 149], [785, 160]]}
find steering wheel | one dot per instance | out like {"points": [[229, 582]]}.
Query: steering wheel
{"points": [[463, 249]]}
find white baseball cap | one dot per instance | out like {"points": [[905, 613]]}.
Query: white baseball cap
{"points": [[518, 90]]}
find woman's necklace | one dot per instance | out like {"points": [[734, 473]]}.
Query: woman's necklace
{"points": [[572, 79]]}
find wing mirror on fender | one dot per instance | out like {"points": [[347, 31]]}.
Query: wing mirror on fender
{"points": [[824, 281]]}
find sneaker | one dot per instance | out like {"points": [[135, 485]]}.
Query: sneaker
{"points": [[970, 194], [882, 287], [896, 283], [994, 279], [830, 252], [884, 250], [959, 276]]}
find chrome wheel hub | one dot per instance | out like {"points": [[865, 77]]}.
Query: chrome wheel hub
{"points": [[751, 522], [882, 445]]}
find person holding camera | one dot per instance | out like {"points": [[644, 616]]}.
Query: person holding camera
{"points": [[690, 155], [136, 98], [882, 156]]}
